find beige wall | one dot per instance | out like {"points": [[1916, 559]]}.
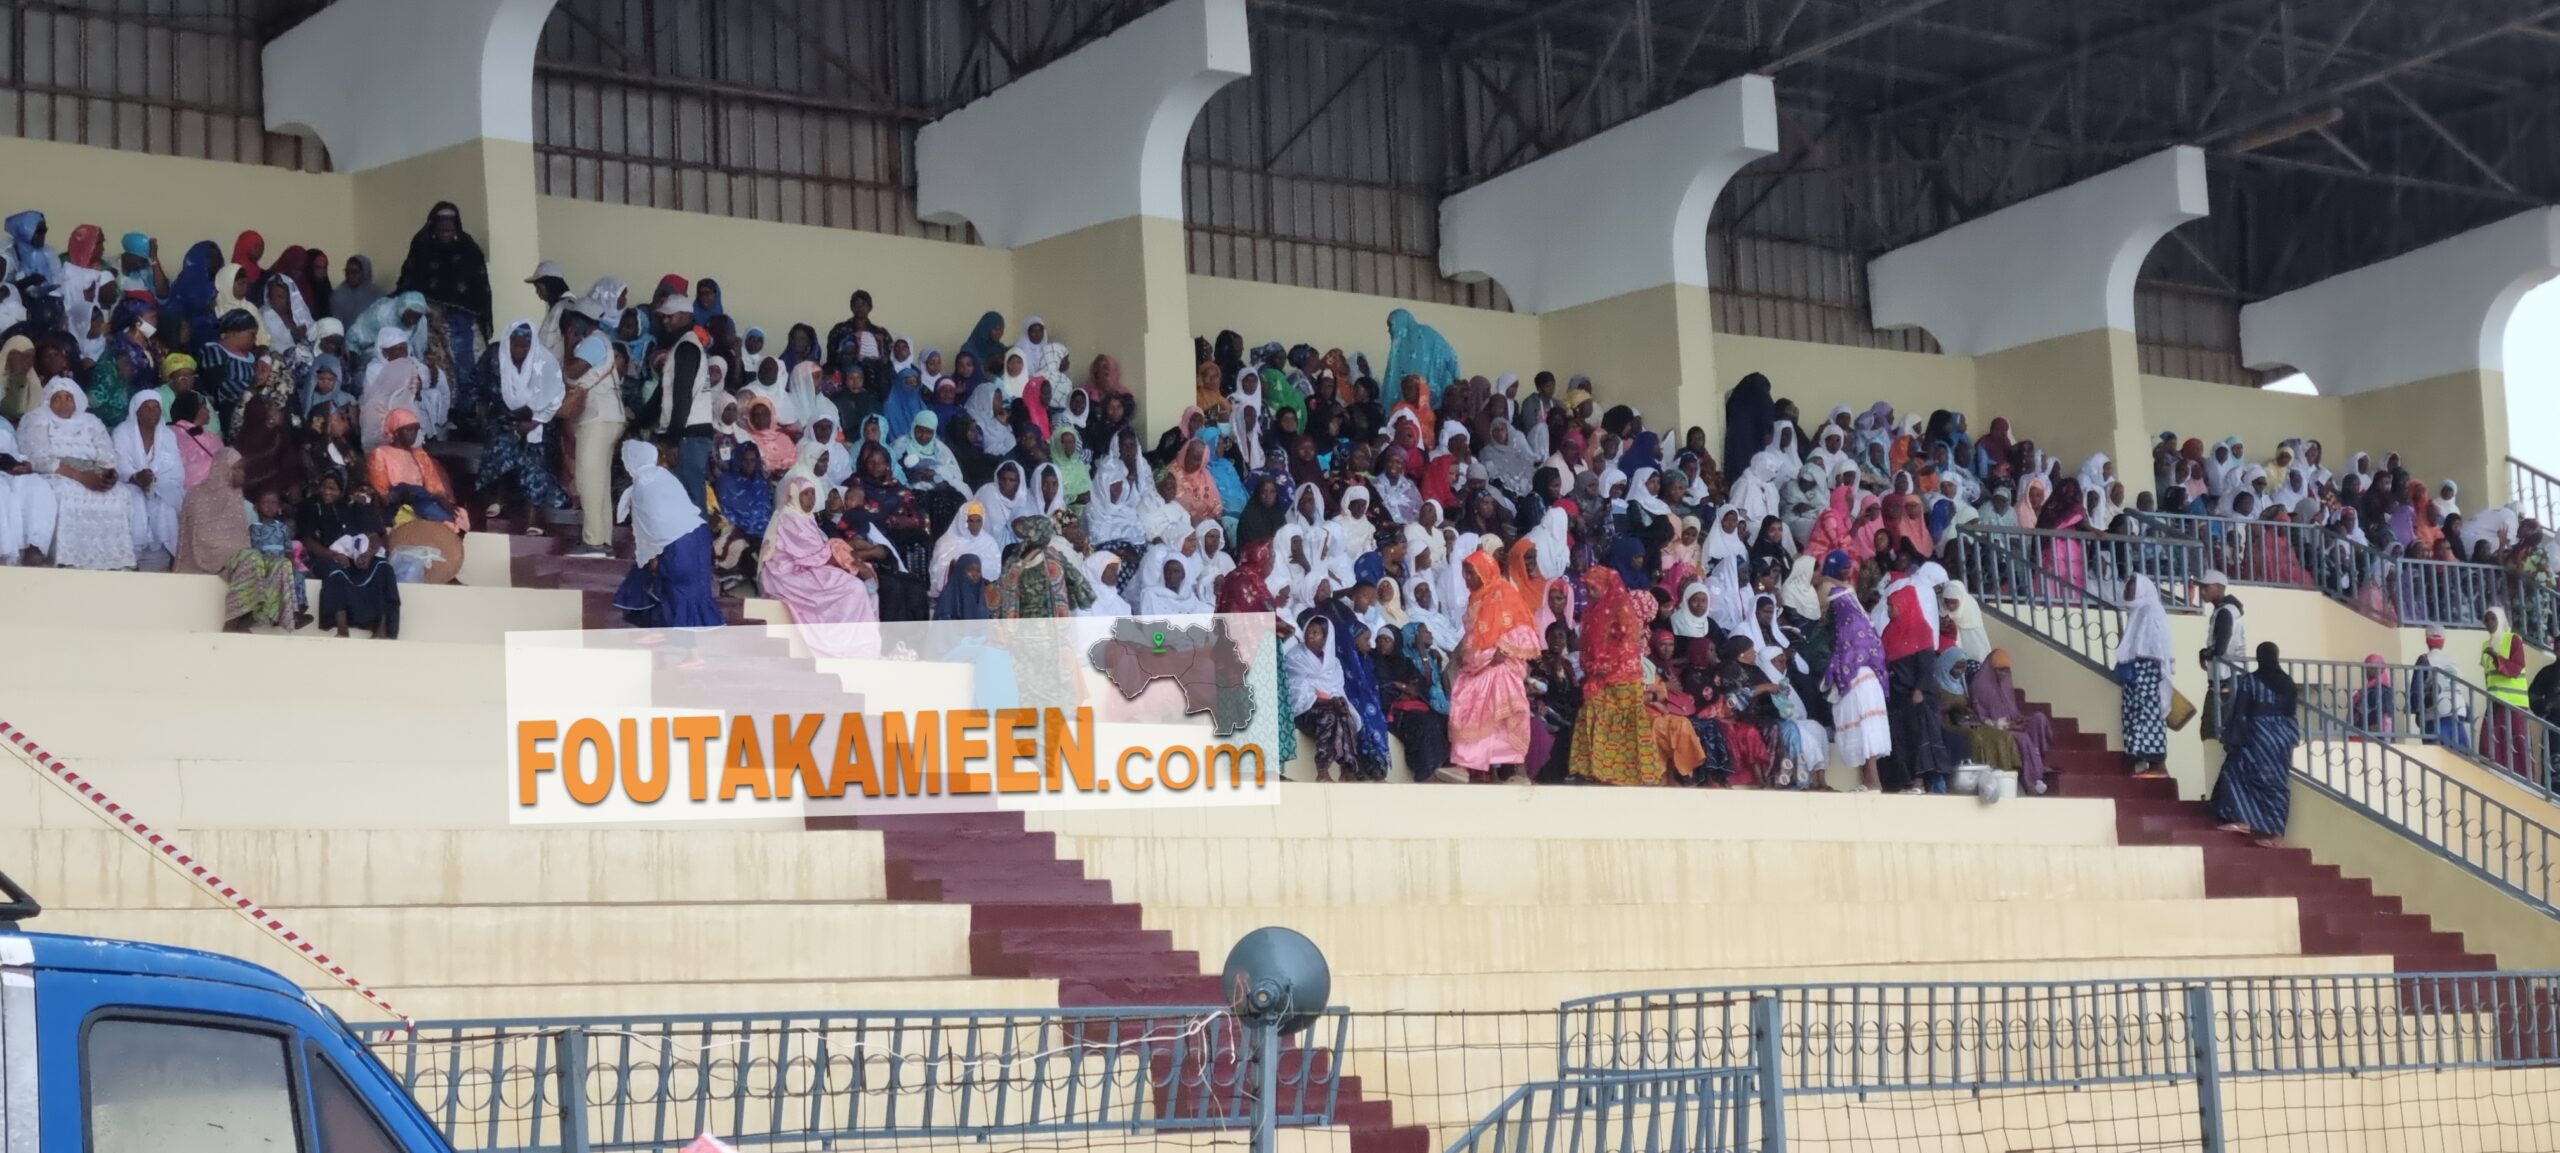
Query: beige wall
{"points": [[1651, 349], [180, 200], [1117, 288], [1819, 377], [2452, 426], [1488, 342], [2073, 395], [491, 182], [2489, 920], [775, 275], [2261, 419]]}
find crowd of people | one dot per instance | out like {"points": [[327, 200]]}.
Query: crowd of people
{"points": [[1514, 580]]}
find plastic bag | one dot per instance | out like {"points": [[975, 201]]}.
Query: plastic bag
{"points": [[409, 565]]}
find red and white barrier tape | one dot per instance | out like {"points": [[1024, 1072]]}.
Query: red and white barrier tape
{"points": [[54, 770]]}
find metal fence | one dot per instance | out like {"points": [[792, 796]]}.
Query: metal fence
{"points": [[2536, 490], [1688, 1111], [2394, 590], [816, 1080], [1965, 1036]]}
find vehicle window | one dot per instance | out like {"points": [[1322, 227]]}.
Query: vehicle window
{"points": [[156, 1086], [346, 1124]]}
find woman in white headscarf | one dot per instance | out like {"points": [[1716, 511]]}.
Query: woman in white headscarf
{"points": [[1727, 558], [1421, 606], [1167, 589], [1958, 604], [1102, 571], [148, 464], [1002, 507], [670, 584], [1692, 616], [826, 457], [2448, 501], [1555, 550], [970, 535], [292, 326], [1756, 493], [819, 579], [2145, 661], [1352, 533], [395, 378], [62, 442], [1643, 492], [1216, 561], [1113, 516], [1508, 460]]}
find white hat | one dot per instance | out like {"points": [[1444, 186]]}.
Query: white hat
{"points": [[676, 304], [2213, 576], [548, 270], [393, 336]]}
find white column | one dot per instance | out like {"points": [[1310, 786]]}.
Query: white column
{"points": [[1093, 138], [382, 81], [1614, 264], [2056, 265], [2416, 347]]}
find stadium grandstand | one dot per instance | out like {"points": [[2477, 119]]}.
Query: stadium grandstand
{"points": [[1755, 530]]}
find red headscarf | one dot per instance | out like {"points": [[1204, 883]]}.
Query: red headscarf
{"points": [[245, 249], [82, 251], [1613, 629], [1243, 590]]}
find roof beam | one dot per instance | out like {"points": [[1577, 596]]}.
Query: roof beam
{"points": [[1869, 26], [2446, 134], [2327, 93]]}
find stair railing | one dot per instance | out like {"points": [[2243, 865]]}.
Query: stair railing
{"points": [[2469, 828], [2380, 702], [2536, 490], [2392, 590]]}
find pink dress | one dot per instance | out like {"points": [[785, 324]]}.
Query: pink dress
{"points": [[833, 608], [1489, 705]]}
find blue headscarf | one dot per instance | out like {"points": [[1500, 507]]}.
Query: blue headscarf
{"points": [[1646, 452], [26, 257], [1426, 659], [1416, 347], [1624, 556], [746, 497], [906, 398], [192, 290], [985, 345]]}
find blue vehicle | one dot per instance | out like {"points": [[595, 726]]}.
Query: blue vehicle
{"points": [[122, 1047]]}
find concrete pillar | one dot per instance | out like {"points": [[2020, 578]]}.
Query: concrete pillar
{"points": [[2041, 294], [388, 86], [2416, 347], [1097, 237], [1614, 267]]}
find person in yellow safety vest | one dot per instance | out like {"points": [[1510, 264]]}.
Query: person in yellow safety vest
{"points": [[2503, 733]]}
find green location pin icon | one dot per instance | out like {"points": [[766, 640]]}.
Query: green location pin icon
{"points": [[1159, 640]]}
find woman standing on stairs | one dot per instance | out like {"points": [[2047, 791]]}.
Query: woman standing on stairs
{"points": [[2252, 795], [2145, 661]]}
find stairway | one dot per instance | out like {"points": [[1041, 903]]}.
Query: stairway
{"points": [[1032, 913], [2340, 915]]}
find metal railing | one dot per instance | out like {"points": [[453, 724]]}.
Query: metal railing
{"points": [[1684, 1110], [2393, 590], [2464, 825], [2536, 490], [2380, 702], [568, 1085], [2008, 567], [1970, 1036]]}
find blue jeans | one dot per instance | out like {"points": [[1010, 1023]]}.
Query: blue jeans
{"points": [[2454, 732], [693, 467]]}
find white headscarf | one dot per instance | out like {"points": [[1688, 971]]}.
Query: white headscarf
{"points": [[279, 329], [1691, 625], [830, 462], [1156, 598], [536, 383], [2146, 633], [1971, 636], [656, 505], [1110, 518], [1107, 601], [1353, 535], [159, 507], [1002, 510], [1444, 631], [995, 434], [1314, 672], [1639, 497], [1015, 384], [958, 540], [47, 440], [1555, 552]]}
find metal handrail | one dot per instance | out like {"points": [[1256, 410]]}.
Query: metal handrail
{"points": [[1688, 1110], [2345, 690], [528, 1085], [2464, 825], [2536, 490], [1956, 1036]]}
